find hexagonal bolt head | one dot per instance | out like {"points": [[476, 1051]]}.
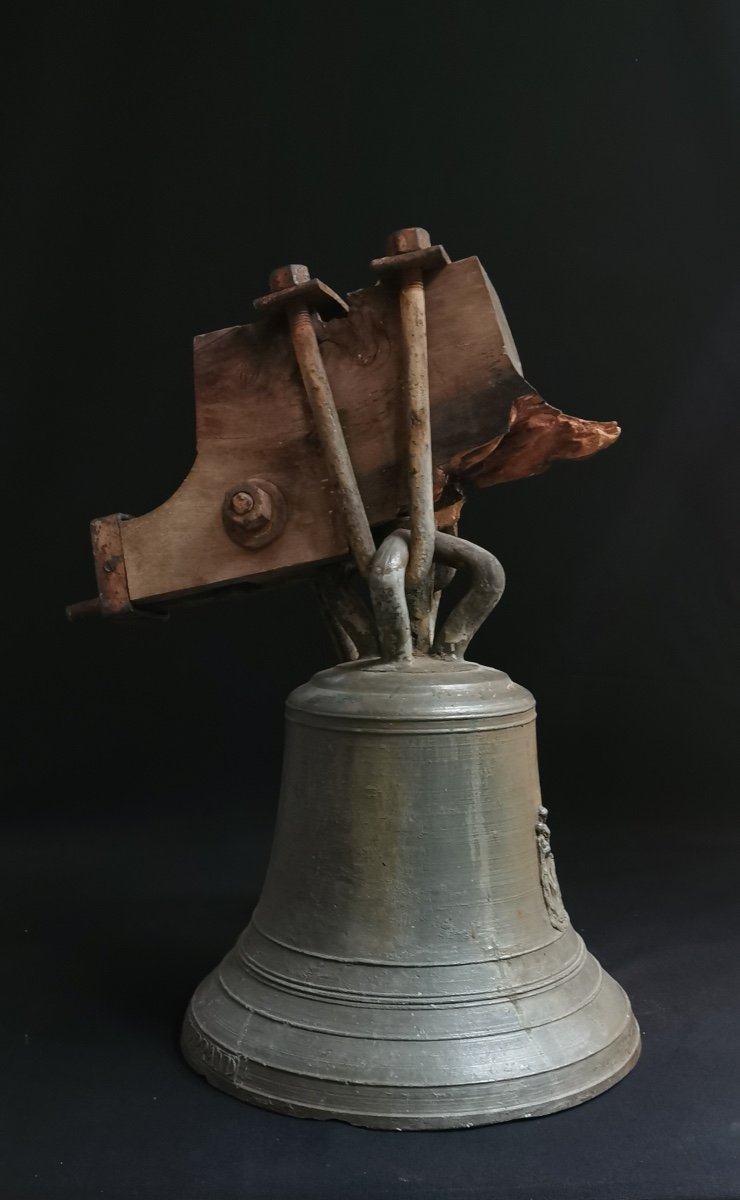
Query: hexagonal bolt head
{"points": [[404, 240], [290, 276], [254, 513]]}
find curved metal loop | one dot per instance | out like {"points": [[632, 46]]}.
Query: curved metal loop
{"points": [[486, 589], [386, 580]]}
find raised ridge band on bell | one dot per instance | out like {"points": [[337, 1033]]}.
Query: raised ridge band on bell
{"points": [[497, 1016], [419, 998], [346, 966]]}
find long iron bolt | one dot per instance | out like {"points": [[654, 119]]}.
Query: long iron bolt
{"points": [[331, 435], [420, 472]]}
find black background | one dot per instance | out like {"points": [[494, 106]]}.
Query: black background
{"points": [[159, 161]]}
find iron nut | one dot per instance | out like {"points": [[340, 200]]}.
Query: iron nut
{"points": [[289, 276], [293, 286], [405, 240], [254, 513], [409, 250]]}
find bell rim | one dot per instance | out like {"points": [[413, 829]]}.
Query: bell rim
{"points": [[628, 1039]]}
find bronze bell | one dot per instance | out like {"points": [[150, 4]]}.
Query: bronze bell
{"points": [[410, 964]]}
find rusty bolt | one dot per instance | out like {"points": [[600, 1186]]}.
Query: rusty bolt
{"points": [[404, 240], [250, 507], [241, 503], [290, 276], [254, 513]]}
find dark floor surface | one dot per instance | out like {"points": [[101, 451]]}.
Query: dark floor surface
{"points": [[109, 929]]}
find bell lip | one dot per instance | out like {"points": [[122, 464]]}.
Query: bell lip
{"points": [[401, 694], [407, 1121]]}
